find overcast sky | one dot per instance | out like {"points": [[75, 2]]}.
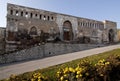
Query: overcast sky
{"points": [[93, 9]]}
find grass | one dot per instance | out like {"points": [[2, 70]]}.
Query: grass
{"points": [[51, 71]]}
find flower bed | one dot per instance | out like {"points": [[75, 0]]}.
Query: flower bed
{"points": [[102, 67]]}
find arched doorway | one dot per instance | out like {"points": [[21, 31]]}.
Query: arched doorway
{"points": [[33, 31], [86, 39], [111, 35], [67, 31]]}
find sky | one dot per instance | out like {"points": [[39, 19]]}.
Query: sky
{"points": [[93, 9]]}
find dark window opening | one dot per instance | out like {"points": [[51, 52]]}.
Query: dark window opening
{"points": [[26, 14], [11, 12], [16, 13], [83, 23], [40, 17], [21, 13], [111, 35], [31, 15], [35, 15], [48, 18], [16, 20], [44, 18], [12, 19], [49, 53], [52, 18]]}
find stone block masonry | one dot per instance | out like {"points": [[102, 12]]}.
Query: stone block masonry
{"points": [[43, 51], [29, 24]]}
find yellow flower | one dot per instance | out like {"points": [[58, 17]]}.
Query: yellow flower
{"points": [[95, 64], [62, 78], [39, 80], [71, 69], [101, 74], [107, 63], [58, 72], [66, 70], [65, 75], [77, 68], [78, 72], [77, 76], [80, 75], [32, 79]]}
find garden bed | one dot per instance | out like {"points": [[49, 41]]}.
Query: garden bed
{"points": [[100, 67]]}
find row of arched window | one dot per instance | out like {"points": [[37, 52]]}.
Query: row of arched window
{"points": [[31, 15], [12, 19], [91, 25]]}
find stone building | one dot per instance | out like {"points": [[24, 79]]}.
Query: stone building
{"points": [[118, 33], [2, 38], [26, 24]]}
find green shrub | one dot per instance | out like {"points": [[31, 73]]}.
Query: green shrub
{"points": [[103, 70]]}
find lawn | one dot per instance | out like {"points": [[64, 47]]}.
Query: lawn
{"points": [[50, 72]]}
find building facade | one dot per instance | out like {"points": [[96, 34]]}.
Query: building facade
{"points": [[118, 33], [2, 39], [27, 24]]}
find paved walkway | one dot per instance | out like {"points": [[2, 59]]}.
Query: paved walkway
{"points": [[18, 68]]}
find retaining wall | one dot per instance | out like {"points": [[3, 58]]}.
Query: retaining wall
{"points": [[42, 51]]}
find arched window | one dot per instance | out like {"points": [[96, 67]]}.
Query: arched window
{"points": [[40, 16], [111, 35], [26, 14], [22, 13], [33, 31], [11, 12], [36, 15], [83, 24], [31, 15], [44, 17], [52, 18], [16, 13], [48, 18]]}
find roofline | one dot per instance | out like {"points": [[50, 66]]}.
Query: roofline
{"points": [[54, 12]]}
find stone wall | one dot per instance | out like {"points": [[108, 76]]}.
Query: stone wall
{"points": [[28, 23], [110, 25], [118, 34], [2, 38], [43, 51]]}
